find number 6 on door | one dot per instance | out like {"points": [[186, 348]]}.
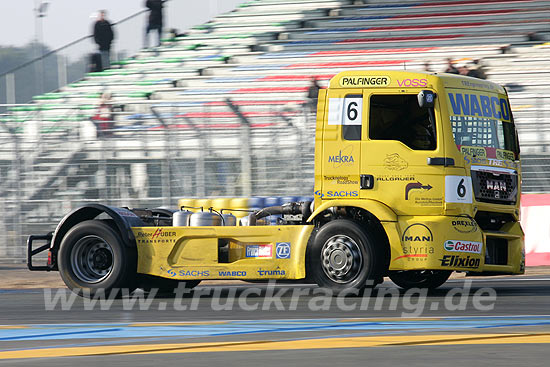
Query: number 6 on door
{"points": [[458, 189], [345, 111], [353, 111]]}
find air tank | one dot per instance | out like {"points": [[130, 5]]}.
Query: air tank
{"points": [[181, 218], [202, 218], [228, 219]]}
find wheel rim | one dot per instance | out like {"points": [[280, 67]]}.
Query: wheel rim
{"points": [[341, 259], [92, 259]]}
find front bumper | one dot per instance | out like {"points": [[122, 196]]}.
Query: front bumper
{"points": [[50, 265], [456, 244]]}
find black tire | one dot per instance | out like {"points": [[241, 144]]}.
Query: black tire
{"points": [[429, 279], [92, 258], [344, 255], [164, 287]]}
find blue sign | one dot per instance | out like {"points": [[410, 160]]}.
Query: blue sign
{"points": [[258, 251], [282, 250], [479, 105]]}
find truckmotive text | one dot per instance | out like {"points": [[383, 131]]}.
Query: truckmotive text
{"points": [[417, 175]]}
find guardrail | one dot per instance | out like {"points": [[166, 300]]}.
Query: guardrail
{"points": [[49, 167]]}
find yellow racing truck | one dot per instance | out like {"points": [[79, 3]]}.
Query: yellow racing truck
{"points": [[417, 175]]}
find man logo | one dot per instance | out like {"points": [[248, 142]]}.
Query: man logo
{"points": [[282, 250], [417, 232], [417, 241]]}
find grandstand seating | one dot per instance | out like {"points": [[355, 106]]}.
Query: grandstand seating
{"points": [[223, 58], [262, 56]]}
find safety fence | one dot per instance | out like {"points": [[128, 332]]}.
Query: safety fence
{"points": [[49, 167], [54, 158]]}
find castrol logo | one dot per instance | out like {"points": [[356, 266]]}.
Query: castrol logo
{"points": [[463, 246]]}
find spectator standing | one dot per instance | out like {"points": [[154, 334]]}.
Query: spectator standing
{"points": [[155, 20], [103, 36], [472, 71], [104, 119], [479, 69], [313, 93], [451, 69]]}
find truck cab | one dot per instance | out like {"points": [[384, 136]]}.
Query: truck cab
{"points": [[438, 154]]}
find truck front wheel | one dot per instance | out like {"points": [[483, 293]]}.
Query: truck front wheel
{"points": [[92, 258], [343, 255], [430, 279]]}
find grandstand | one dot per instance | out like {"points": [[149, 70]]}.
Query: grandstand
{"points": [[221, 110]]}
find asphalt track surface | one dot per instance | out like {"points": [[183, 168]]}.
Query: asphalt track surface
{"points": [[501, 321]]}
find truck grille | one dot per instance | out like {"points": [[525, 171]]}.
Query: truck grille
{"points": [[495, 188]]}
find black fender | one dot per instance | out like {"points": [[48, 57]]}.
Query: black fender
{"points": [[123, 218]]}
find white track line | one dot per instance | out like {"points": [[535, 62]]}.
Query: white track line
{"points": [[501, 280]]}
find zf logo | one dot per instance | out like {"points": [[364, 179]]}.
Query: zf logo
{"points": [[282, 250]]}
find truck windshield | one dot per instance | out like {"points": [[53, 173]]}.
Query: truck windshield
{"points": [[482, 120]]}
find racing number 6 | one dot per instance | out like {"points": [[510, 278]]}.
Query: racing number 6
{"points": [[461, 189], [352, 111]]}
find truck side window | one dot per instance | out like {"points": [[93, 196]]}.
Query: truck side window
{"points": [[352, 117], [398, 117]]}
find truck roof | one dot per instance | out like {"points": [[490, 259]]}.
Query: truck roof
{"points": [[409, 79]]}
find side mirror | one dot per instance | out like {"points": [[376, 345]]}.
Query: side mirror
{"points": [[426, 99]]}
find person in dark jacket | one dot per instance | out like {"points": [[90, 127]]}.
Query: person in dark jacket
{"points": [[155, 20], [103, 36], [473, 69], [451, 68], [313, 93]]}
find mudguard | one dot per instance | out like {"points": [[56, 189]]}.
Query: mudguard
{"points": [[123, 218], [381, 211]]}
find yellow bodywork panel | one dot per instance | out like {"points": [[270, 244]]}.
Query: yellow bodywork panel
{"points": [[378, 209], [437, 243], [451, 243], [262, 252]]}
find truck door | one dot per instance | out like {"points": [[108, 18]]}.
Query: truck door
{"points": [[341, 145], [402, 158]]}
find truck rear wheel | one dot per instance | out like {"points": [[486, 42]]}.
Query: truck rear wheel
{"points": [[92, 258], [343, 255], [430, 279]]}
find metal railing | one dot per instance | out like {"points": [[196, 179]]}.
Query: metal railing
{"points": [[51, 166]]}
